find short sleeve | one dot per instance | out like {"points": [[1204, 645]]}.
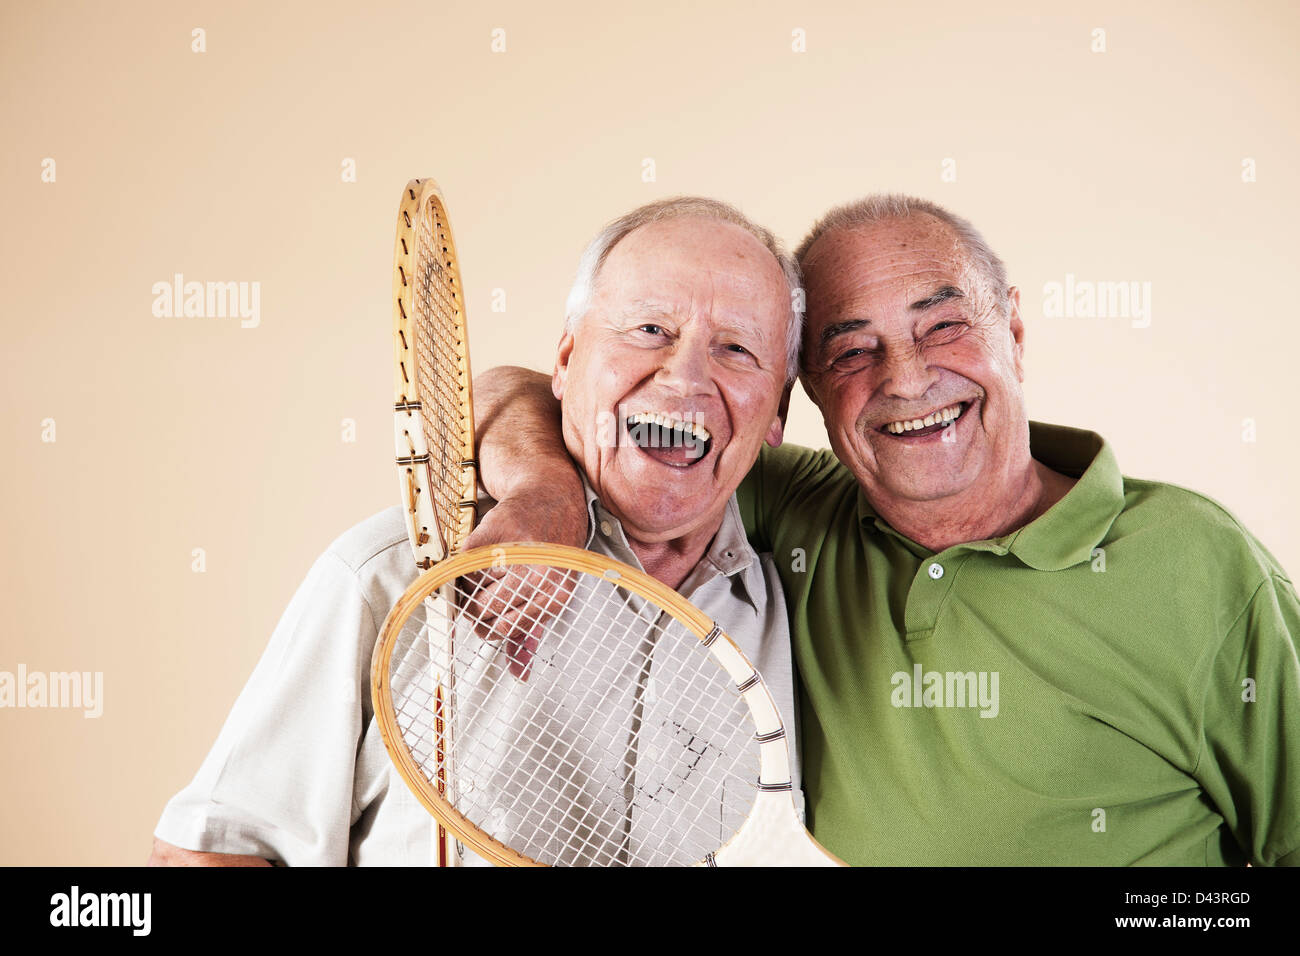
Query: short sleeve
{"points": [[278, 783], [776, 483], [1250, 761]]}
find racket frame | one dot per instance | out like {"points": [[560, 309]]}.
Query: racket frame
{"points": [[430, 540], [772, 824]]}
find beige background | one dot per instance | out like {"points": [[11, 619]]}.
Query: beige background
{"points": [[176, 434]]}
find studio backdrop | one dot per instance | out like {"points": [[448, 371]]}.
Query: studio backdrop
{"points": [[172, 470]]}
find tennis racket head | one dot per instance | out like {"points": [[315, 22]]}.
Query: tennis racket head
{"points": [[641, 736], [434, 411]]}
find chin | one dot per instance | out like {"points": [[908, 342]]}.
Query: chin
{"points": [[928, 490], [666, 522]]}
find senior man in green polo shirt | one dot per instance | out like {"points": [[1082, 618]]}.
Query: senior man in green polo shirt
{"points": [[1009, 653]]}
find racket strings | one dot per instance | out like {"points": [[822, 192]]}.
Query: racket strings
{"points": [[642, 798], [558, 799], [561, 803], [442, 375], [627, 745]]}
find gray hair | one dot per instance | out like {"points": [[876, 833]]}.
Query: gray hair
{"points": [[597, 251], [884, 206]]}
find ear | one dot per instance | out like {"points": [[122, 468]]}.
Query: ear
{"points": [[1017, 326], [561, 374], [775, 432]]}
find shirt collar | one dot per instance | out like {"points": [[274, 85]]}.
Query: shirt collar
{"points": [[729, 553], [1069, 531]]}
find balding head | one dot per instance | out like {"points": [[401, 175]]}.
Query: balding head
{"points": [[663, 210], [881, 207]]}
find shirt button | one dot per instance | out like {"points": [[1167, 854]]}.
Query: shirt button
{"points": [[606, 529], [936, 570]]}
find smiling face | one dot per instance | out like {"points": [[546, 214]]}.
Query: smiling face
{"points": [[673, 379], [915, 364]]}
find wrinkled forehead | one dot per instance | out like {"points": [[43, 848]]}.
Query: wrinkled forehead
{"points": [[885, 268], [692, 267]]}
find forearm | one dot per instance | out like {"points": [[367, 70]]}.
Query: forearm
{"points": [[165, 854], [523, 462], [517, 428]]}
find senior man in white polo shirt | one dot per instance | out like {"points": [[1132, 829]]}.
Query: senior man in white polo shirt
{"points": [[679, 348]]}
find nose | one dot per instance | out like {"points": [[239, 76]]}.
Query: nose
{"points": [[685, 368], [908, 375]]}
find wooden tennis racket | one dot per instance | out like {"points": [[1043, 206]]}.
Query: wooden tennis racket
{"points": [[434, 412], [641, 737]]}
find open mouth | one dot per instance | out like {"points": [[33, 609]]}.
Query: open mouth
{"points": [[669, 440], [931, 424]]}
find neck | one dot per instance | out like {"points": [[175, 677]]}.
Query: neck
{"points": [[672, 561], [972, 515]]}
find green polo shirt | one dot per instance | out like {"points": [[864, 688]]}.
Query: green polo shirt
{"points": [[1114, 683]]}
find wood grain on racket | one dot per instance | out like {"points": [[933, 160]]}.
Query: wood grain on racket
{"points": [[434, 411]]}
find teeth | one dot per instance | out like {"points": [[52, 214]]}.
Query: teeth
{"points": [[949, 414], [667, 421]]}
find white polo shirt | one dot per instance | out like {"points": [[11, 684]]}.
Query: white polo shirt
{"points": [[299, 772]]}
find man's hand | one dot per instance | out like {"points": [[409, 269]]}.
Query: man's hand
{"points": [[526, 467], [543, 516], [515, 606]]}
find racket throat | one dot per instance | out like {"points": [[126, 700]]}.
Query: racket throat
{"points": [[441, 757]]}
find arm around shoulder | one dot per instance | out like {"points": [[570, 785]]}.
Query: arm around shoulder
{"points": [[780, 480], [524, 463]]}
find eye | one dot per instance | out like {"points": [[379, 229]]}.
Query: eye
{"points": [[947, 325], [651, 329], [737, 349]]}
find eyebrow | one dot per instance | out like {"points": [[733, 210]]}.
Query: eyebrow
{"points": [[645, 310], [640, 308], [920, 305], [841, 328], [935, 298]]}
